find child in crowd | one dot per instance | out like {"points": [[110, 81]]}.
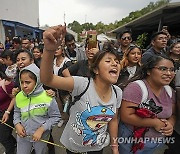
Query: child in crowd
{"points": [[6, 114], [130, 64], [35, 112]]}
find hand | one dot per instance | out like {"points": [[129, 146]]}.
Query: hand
{"points": [[159, 125], [53, 37], [168, 129], [115, 149], [15, 91], [38, 133], [20, 130], [50, 92], [167, 33], [5, 117]]}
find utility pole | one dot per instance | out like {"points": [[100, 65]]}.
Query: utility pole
{"points": [[85, 17], [64, 18]]}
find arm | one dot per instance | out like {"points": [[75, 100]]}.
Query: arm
{"points": [[172, 119], [8, 89], [113, 130], [54, 116], [17, 122], [66, 73], [169, 123], [51, 39], [9, 109], [131, 118]]}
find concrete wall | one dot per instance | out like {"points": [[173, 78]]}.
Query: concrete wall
{"points": [[24, 11], [2, 36]]}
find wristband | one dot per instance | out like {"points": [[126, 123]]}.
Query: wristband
{"points": [[7, 112], [114, 145]]}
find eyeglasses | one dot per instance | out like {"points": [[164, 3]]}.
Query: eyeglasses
{"points": [[164, 69], [124, 38]]}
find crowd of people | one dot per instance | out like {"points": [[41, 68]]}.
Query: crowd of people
{"points": [[102, 96]]}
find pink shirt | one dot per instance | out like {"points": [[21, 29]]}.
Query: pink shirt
{"points": [[133, 93]]}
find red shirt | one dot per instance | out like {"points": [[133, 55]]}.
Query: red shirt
{"points": [[4, 97]]}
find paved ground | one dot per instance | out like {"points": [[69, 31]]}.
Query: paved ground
{"points": [[56, 135]]}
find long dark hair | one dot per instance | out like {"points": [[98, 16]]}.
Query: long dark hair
{"points": [[7, 53], [149, 65]]}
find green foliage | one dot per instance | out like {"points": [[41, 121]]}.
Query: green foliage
{"points": [[75, 26], [88, 26], [141, 40], [102, 28]]}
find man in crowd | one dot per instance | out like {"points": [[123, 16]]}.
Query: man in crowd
{"points": [[16, 41], [26, 44], [73, 52], [158, 46], [124, 40]]}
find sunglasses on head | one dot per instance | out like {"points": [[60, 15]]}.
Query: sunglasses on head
{"points": [[124, 38]]}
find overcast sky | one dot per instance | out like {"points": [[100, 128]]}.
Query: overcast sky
{"points": [[52, 12]]}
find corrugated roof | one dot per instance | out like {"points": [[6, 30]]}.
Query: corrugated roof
{"points": [[170, 14]]}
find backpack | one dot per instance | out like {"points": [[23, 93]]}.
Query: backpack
{"points": [[78, 97], [145, 91]]}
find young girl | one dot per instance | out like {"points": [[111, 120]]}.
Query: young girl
{"points": [[174, 53], [129, 64], [155, 74], [37, 52], [6, 114], [34, 114], [97, 109], [61, 62], [25, 58]]}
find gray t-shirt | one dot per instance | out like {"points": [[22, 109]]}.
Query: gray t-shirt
{"points": [[86, 129]]}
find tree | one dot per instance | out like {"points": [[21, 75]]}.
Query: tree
{"points": [[102, 28], [88, 26], [75, 26]]}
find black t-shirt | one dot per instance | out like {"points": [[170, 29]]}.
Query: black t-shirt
{"points": [[80, 68]]}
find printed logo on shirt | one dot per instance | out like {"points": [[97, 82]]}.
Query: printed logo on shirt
{"points": [[91, 124]]}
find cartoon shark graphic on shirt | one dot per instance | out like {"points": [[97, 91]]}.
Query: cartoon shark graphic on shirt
{"points": [[91, 123]]}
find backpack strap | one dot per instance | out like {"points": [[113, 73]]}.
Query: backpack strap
{"points": [[77, 98], [144, 90], [168, 90], [114, 90]]}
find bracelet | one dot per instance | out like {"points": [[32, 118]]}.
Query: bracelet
{"points": [[114, 145], [7, 112]]}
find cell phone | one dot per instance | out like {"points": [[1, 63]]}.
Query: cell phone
{"points": [[92, 41], [165, 27]]}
